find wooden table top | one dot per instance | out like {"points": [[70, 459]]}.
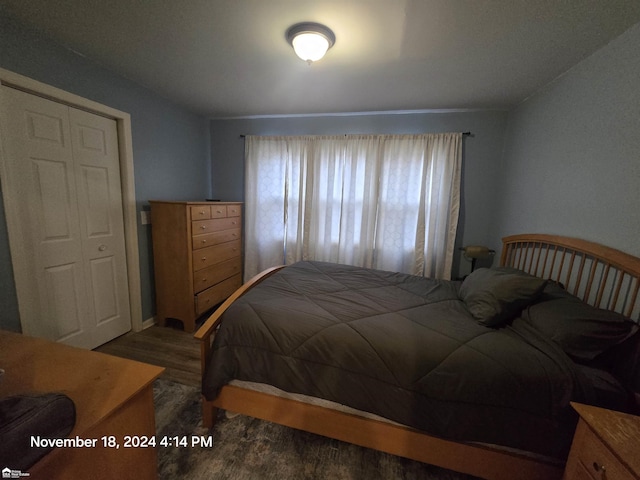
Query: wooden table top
{"points": [[97, 383]]}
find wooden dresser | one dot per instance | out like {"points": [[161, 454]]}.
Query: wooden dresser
{"points": [[113, 399], [197, 257], [606, 446]]}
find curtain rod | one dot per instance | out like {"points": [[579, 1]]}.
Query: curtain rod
{"points": [[464, 134]]}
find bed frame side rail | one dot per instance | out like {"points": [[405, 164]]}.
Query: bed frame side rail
{"points": [[475, 459]]}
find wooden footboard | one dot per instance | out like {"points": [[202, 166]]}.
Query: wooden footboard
{"points": [[206, 332]]}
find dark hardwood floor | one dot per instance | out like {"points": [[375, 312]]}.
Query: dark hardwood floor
{"points": [[167, 347]]}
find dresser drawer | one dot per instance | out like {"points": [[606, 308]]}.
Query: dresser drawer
{"points": [[590, 455], [580, 472], [209, 239], [200, 212], [214, 225], [205, 278], [218, 211], [206, 257], [217, 294], [234, 210]]}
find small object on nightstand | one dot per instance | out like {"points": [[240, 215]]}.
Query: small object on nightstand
{"points": [[474, 252], [605, 445]]}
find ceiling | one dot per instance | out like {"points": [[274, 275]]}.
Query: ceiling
{"points": [[227, 58]]}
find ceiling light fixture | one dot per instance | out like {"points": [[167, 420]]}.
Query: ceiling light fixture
{"points": [[310, 40]]}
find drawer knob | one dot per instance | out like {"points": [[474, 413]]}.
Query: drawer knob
{"points": [[102, 248], [203, 241], [218, 211], [201, 212], [599, 468], [203, 227], [204, 259]]}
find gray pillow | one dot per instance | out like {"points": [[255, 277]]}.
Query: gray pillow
{"points": [[495, 296], [582, 331]]}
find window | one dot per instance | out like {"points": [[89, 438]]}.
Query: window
{"points": [[379, 201]]}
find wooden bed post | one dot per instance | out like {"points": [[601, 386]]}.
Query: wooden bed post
{"points": [[209, 413]]}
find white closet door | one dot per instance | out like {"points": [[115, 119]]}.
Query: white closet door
{"points": [[97, 169], [62, 174]]}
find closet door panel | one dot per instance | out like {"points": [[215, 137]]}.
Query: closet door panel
{"points": [[40, 173], [95, 152]]}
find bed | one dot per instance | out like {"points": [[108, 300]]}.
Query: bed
{"points": [[449, 373]]}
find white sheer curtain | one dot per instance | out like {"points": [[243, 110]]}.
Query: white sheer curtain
{"points": [[381, 201]]}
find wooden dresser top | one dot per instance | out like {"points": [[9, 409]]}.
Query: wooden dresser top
{"points": [[96, 382]]}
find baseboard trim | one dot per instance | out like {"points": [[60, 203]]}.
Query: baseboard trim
{"points": [[149, 322]]}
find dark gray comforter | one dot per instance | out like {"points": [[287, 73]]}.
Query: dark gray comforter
{"points": [[402, 347]]}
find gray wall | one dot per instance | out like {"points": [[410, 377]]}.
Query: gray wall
{"points": [[481, 155], [572, 157], [170, 144]]}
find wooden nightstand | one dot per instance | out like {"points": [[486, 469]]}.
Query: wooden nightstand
{"points": [[606, 446]]}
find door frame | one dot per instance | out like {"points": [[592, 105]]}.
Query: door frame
{"points": [[125, 151]]}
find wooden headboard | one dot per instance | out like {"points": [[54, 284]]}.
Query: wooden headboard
{"points": [[601, 276]]}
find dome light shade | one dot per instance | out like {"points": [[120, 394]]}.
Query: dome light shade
{"points": [[310, 46], [310, 41]]}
